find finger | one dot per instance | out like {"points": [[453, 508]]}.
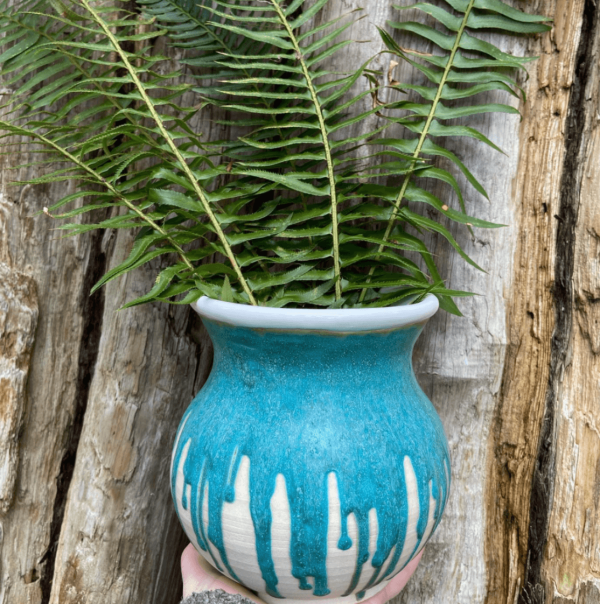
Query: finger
{"points": [[198, 575], [396, 585]]}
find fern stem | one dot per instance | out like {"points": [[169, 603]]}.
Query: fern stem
{"points": [[326, 147], [188, 172], [422, 138]]}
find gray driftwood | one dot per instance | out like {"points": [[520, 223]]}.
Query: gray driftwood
{"points": [[90, 398]]}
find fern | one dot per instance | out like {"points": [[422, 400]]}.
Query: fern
{"points": [[481, 73], [288, 213]]}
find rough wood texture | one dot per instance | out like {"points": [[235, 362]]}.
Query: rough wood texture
{"points": [[128, 554], [519, 412], [55, 388], [18, 320], [570, 569], [119, 505], [534, 453], [94, 404]]}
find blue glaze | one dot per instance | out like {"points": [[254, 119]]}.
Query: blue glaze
{"points": [[305, 404]]}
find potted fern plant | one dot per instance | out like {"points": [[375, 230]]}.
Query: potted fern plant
{"points": [[311, 464]]}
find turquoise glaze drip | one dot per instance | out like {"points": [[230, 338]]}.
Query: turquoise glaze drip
{"points": [[305, 404]]}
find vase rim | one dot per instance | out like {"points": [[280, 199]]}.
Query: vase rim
{"points": [[316, 319]]}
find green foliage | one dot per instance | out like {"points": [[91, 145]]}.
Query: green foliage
{"points": [[286, 214]]}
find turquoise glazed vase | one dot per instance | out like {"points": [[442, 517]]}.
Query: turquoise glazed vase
{"points": [[311, 465]]}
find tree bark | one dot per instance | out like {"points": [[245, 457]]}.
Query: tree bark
{"points": [[91, 397]]}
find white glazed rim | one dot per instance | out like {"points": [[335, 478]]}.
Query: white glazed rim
{"points": [[336, 320]]}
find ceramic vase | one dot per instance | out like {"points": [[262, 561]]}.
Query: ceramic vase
{"points": [[311, 465]]}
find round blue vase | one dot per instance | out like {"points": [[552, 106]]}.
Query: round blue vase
{"points": [[311, 465]]}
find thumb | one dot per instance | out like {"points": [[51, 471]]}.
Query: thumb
{"points": [[198, 575]]}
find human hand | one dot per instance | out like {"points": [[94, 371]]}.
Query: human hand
{"points": [[199, 575]]}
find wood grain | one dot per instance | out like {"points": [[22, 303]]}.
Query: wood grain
{"points": [[119, 515], [525, 441], [570, 569], [513, 442], [18, 321], [86, 515], [58, 269]]}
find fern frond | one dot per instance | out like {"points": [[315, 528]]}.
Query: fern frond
{"points": [[290, 210], [133, 73], [72, 58], [426, 117]]}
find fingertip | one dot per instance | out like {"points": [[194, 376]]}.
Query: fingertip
{"points": [[398, 583], [188, 556]]}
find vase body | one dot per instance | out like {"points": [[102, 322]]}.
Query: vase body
{"points": [[311, 465]]}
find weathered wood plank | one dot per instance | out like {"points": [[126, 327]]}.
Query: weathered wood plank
{"points": [[120, 540], [524, 441], [530, 321], [18, 321], [54, 386], [570, 570]]}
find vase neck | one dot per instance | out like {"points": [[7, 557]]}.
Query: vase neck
{"points": [[313, 351]]}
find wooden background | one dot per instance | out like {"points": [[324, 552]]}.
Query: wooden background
{"points": [[90, 398]]}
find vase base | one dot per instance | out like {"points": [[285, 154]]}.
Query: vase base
{"points": [[351, 599]]}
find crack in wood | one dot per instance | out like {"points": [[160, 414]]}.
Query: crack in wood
{"points": [[542, 486], [92, 309]]}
